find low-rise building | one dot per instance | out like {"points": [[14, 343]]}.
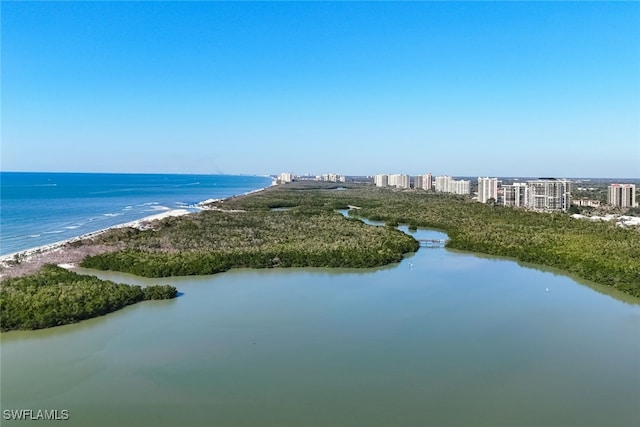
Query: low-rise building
{"points": [[586, 203], [332, 177]]}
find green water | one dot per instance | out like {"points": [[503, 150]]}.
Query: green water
{"points": [[442, 339]]}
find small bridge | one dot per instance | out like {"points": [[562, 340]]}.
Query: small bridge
{"points": [[432, 243]]}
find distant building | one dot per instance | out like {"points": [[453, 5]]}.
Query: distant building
{"points": [[622, 195], [285, 177], [442, 183], [446, 184], [332, 177], [487, 189], [586, 202], [427, 182], [424, 182], [399, 180], [381, 180], [548, 194], [515, 194], [460, 187], [417, 182], [307, 177]]}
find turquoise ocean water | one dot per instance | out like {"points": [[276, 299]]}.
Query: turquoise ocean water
{"points": [[42, 208]]}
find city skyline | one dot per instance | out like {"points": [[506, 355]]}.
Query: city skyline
{"points": [[467, 89]]}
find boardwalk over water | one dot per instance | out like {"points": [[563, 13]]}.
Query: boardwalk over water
{"points": [[432, 243]]}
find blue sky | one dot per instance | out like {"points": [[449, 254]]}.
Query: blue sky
{"points": [[477, 88]]}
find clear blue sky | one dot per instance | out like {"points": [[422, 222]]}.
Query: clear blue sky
{"points": [[478, 88]]}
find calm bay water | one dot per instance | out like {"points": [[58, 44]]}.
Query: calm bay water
{"points": [[444, 338], [42, 208]]}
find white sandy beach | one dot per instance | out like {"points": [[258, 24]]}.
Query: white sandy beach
{"points": [[40, 251], [33, 258]]}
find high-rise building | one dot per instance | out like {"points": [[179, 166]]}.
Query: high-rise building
{"points": [[549, 194], [460, 187], [424, 182], [442, 183], [417, 182], [446, 184], [399, 180], [427, 182], [404, 182], [622, 195], [285, 177], [515, 194], [487, 189], [381, 180]]}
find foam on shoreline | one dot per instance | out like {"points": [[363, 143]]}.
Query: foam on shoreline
{"points": [[25, 255], [7, 260]]}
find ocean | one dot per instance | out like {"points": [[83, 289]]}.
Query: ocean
{"points": [[39, 208]]}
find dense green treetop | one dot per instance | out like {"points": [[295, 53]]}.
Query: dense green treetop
{"points": [[54, 296]]}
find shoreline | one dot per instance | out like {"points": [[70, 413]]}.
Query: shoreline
{"points": [[138, 223], [40, 255], [8, 261]]}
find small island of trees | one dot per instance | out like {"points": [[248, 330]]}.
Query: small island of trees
{"points": [[54, 296]]}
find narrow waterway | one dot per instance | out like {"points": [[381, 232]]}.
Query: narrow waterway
{"points": [[443, 338]]}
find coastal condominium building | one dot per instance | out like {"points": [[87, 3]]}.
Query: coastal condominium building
{"points": [[460, 187], [381, 180], [424, 182], [285, 177], [515, 194], [442, 183], [417, 182], [487, 189], [399, 180], [446, 184], [622, 195], [549, 194]]}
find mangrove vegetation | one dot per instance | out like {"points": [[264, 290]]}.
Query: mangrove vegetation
{"points": [[597, 251], [54, 296], [246, 231], [213, 241], [249, 231]]}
